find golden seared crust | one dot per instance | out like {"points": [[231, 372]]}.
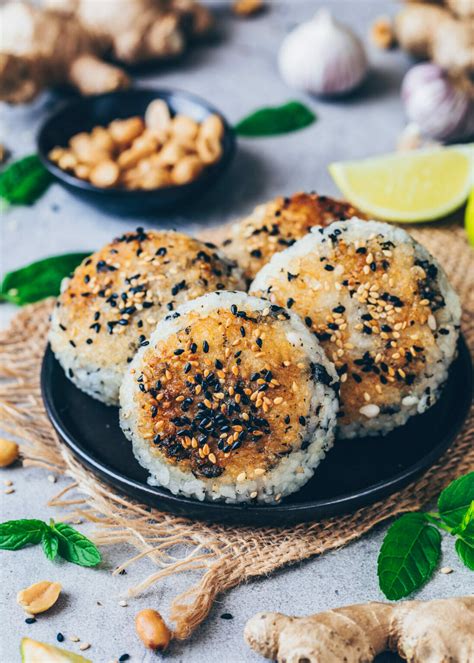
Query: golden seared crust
{"points": [[375, 306], [227, 392], [276, 225], [116, 296]]}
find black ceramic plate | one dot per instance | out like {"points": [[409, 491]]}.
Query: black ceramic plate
{"points": [[355, 472], [84, 114]]}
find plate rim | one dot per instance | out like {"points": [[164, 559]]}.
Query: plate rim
{"points": [[298, 512]]}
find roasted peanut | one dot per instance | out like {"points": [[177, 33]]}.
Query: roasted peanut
{"points": [[56, 153], [39, 597], [209, 149], [102, 139], [186, 170], [143, 146], [152, 630], [184, 129], [157, 116], [82, 171], [8, 452], [85, 150], [105, 174], [212, 127], [156, 179], [67, 161], [124, 132], [171, 153]]}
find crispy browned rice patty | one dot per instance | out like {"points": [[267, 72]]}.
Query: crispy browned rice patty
{"points": [[233, 399], [277, 224], [112, 303], [383, 310]]}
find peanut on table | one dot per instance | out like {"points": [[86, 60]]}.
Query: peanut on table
{"points": [[143, 153]]}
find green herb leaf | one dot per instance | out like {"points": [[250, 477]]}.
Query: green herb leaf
{"points": [[465, 553], [16, 534], [39, 279], [50, 543], [24, 181], [455, 500], [75, 547], [409, 555], [466, 528], [270, 121]]}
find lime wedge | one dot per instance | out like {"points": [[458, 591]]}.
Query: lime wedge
{"points": [[469, 218], [33, 651], [422, 185]]}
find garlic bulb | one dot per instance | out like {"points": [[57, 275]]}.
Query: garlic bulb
{"points": [[322, 57], [441, 108]]}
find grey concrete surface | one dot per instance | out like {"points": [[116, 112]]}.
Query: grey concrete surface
{"points": [[237, 73]]}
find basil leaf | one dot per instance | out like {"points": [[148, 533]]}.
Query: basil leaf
{"points": [[75, 547], [50, 543], [39, 279], [408, 556], [455, 500], [270, 121], [16, 534], [24, 181], [465, 553]]}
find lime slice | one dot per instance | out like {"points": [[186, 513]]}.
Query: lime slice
{"points": [[422, 185], [33, 651], [469, 219]]}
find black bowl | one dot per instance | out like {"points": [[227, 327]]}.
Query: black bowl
{"points": [[354, 474], [86, 113]]}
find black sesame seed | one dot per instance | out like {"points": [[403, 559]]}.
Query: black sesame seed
{"points": [[302, 420], [308, 321], [227, 615], [178, 352], [256, 253], [234, 309], [205, 346], [329, 268], [259, 342], [289, 302], [30, 620], [124, 657], [340, 309], [60, 637]]}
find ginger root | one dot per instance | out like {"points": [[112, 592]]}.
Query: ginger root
{"points": [[435, 631], [64, 42], [443, 34]]}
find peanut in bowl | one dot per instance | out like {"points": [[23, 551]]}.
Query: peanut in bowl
{"points": [[136, 151]]}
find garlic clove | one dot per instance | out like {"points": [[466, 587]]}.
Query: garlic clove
{"points": [[441, 107], [322, 57]]}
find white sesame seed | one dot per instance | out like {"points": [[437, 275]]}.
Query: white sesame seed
{"points": [[409, 400], [123, 604], [370, 411], [84, 646], [74, 638], [432, 322], [9, 491], [51, 478], [446, 570]]}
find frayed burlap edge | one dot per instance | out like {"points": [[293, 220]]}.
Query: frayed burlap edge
{"points": [[226, 556]]}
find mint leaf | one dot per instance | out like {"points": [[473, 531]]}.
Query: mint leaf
{"points": [[273, 120], [50, 543], [466, 527], [455, 500], [465, 553], [16, 534], [39, 279], [24, 181], [75, 547], [408, 556]]}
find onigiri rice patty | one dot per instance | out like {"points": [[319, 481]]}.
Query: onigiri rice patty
{"points": [[276, 225], [383, 310], [233, 399], [109, 307]]}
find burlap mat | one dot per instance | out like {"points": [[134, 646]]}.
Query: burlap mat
{"points": [[226, 556]]}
